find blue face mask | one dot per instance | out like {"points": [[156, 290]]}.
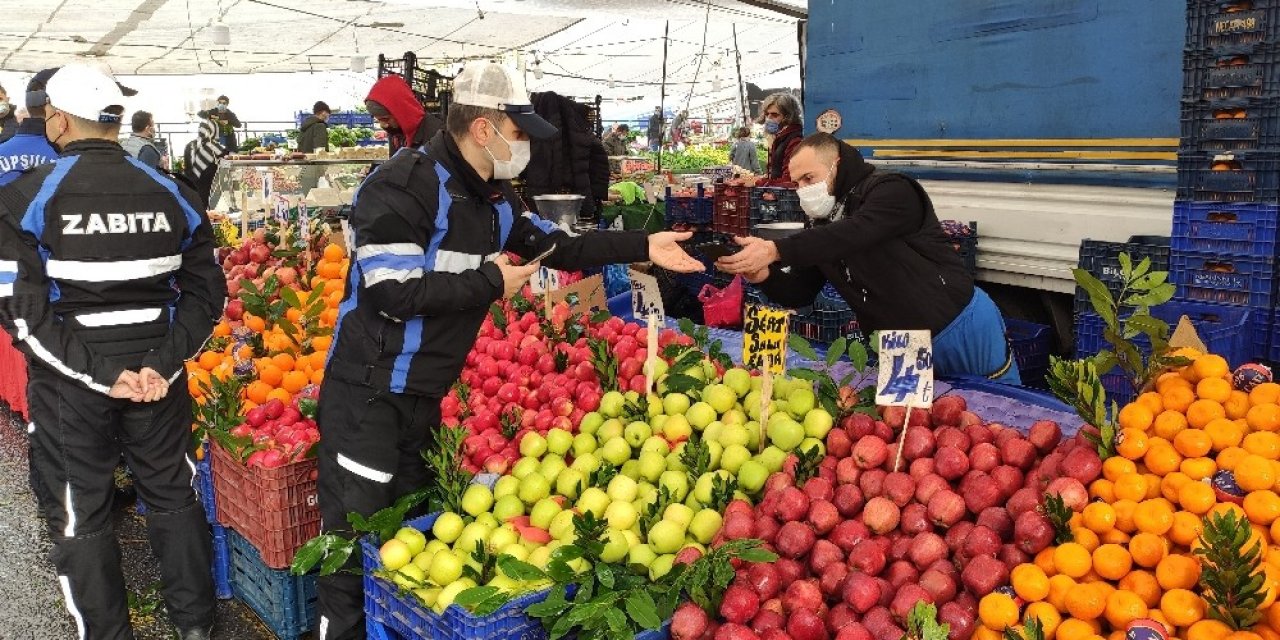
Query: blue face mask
{"points": [[222, 107], [772, 126]]}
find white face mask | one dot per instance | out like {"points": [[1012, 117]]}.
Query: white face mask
{"points": [[520, 155], [815, 199]]}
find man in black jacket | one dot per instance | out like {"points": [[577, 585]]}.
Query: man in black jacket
{"points": [[226, 121], [431, 225], [313, 135], [878, 241], [107, 284]]}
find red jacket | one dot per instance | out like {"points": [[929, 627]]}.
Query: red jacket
{"points": [[393, 93]]}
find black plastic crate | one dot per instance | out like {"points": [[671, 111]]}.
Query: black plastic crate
{"points": [[1031, 344], [1232, 24], [1243, 229], [1102, 260], [688, 212], [1226, 76], [432, 88], [1249, 124], [1235, 280], [1241, 176], [775, 204], [964, 237]]}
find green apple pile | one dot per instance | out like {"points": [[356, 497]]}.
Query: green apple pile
{"points": [[630, 466]]}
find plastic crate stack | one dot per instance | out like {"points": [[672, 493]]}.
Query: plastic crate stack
{"points": [[433, 89], [774, 204], [689, 212], [1224, 245], [964, 237], [345, 118]]}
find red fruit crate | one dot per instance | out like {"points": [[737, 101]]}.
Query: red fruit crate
{"points": [[731, 209], [276, 510]]}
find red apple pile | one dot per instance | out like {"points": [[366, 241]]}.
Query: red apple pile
{"points": [[280, 433], [252, 260], [523, 378], [862, 542]]}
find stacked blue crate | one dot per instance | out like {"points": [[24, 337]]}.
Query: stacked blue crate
{"points": [[1224, 248]]}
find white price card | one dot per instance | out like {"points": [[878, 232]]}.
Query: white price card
{"points": [[646, 299], [906, 369], [545, 280]]}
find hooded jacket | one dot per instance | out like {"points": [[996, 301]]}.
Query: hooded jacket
{"points": [[313, 135], [573, 161], [29, 148], [416, 125], [884, 251], [427, 229]]}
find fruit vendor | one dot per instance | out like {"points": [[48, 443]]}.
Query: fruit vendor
{"points": [[107, 285], [430, 226], [394, 107], [877, 240]]}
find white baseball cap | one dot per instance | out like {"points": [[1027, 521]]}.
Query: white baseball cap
{"points": [[494, 86], [86, 92]]}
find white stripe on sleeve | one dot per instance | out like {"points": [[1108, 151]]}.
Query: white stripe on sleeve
{"points": [[399, 275], [395, 249]]}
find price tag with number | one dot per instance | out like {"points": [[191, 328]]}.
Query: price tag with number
{"points": [[646, 299], [906, 369], [545, 280], [764, 338], [281, 209], [268, 182]]}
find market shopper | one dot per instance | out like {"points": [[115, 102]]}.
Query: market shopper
{"points": [[226, 121], [110, 285], [677, 132], [615, 144], [28, 148], [781, 116], [200, 160], [396, 109], [877, 240], [430, 226], [141, 143], [654, 135], [8, 117], [743, 153], [313, 135]]}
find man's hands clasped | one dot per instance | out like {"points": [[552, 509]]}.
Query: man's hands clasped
{"points": [[140, 386]]}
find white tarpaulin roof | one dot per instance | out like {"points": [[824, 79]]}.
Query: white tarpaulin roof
{"points": [[578, 45]]}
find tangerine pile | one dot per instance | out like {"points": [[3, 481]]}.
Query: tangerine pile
{"points": [[1133, 551], [280, 369]]}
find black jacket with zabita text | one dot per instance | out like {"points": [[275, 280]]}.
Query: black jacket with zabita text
{"points": [[106, 265]]}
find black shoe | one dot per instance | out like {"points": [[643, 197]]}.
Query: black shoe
{"points": [[199, 633]]}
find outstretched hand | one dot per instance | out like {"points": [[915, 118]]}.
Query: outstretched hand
{"points": [[665, 251], [753, 260]]}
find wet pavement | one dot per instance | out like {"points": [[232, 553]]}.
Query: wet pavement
{"points": [[31, 605]]}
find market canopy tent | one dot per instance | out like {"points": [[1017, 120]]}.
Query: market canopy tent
{"points": [[573, 47]]}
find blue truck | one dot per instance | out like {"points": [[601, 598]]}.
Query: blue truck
{"points": [[1046, 121]]}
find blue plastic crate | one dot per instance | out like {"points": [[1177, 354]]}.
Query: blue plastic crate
{"points": [[1273, 338], [1232, 24], [775, 204], [1224, 279], [1243, 229], [1118, 388], [1031, 343], [1102, 261], [690, 211], [1225, 330], [376, 631], [410, 619], [1242, 176], [361, 119], [286, 603], [221, 563]]}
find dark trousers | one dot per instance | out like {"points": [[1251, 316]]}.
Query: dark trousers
{"points": [[370, 454], [77, 437]]}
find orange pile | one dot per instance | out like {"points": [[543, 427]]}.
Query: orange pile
{"points": [[1132, 556], [284, 371]]}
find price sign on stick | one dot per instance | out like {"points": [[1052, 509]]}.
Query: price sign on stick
{"points": [[906, 369], [651, 353], [766, 398], [646, 299], [545, 280], [764, 338], [281, 209]]}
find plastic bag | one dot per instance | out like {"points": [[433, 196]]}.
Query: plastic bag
{"points": [[722, 307]]}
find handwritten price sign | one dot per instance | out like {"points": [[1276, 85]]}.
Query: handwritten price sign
{"points": [[764, 338], [906, 369], [545, 280], [646, 299]]}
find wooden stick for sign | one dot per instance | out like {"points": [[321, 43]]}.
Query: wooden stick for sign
{"points": [[902, 441], [244, 214], [546, 290], [651, 357], [766, 397]]}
